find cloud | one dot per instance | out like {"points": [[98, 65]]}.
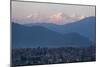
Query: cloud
{"points": [[77, 17], [61, 18], [81, 17], [57, 17], [29, 16]]}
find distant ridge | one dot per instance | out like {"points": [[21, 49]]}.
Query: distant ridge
{"points": [[85, 27], [35, 36]]}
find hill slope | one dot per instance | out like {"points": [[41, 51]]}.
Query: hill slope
{"points": [[85, 27], [35, 36]]}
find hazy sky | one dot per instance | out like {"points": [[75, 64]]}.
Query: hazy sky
{"points": [[31, 12]]}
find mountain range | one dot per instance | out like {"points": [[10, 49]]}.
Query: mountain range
{"points": [[85, 27], [77, 34]]}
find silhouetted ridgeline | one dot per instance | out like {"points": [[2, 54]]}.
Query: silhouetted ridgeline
{"points": [[34, 36], [85, 27]]}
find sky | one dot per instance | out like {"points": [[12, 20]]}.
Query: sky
{"points": [[33, 12]]}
